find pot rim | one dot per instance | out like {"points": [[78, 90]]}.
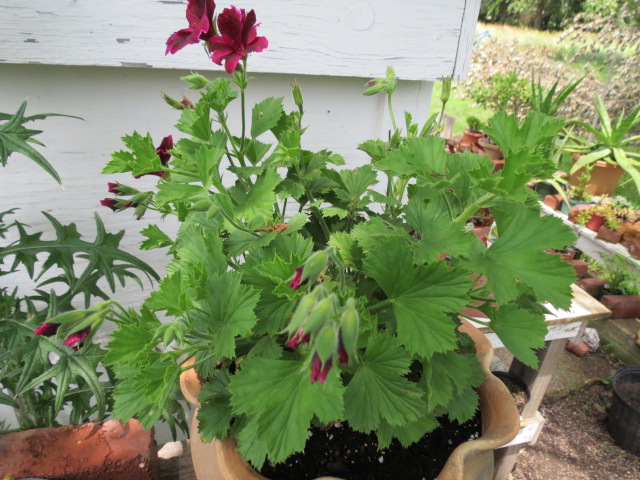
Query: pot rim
{"points": [[500, 423]]}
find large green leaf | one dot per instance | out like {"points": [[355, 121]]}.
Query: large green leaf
{"points": [[521, 331], [265, 115], [280, 401], [518, 256], [423, 297], [433, 222], [379, 390], [226, 311], [215, 413]]}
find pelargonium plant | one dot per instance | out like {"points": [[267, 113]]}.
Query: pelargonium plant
{"points": [[309, 292]]}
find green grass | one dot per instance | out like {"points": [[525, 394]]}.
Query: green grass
{"points": [[457, 107]]}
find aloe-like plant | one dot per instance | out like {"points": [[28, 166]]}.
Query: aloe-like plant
{"points": [[612, 142], [549, 101]]}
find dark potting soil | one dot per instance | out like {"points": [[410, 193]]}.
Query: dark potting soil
{"points": [[342, 452], [518, 393]]}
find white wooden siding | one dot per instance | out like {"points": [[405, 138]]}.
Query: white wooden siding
{"points": [[424, 40]]}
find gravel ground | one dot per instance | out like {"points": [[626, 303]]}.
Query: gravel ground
{"points": [[574, 443]]}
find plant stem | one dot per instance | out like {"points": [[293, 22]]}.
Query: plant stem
{"points": [[475, 320], [242, 102], [380, 305], [393, 119], [482, 299], [471, 209], [315, 210], [222, 121]]}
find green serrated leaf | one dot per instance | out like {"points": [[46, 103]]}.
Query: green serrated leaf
{"points": [[265, 115], [155, 238], [379, 390], [519, 256], [279, 400], [521, 331]]}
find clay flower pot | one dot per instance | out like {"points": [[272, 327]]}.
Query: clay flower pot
{"points": [[491, 150], [613, 236], [595, 222], [604, 177], [622, 306], [96, 451], [471, 137], [472, 460]]}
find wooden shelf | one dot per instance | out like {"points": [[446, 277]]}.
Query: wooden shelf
{"points": [[592, 246]]}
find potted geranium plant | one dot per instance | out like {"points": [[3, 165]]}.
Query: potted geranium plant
{"points": [[308, 297]]}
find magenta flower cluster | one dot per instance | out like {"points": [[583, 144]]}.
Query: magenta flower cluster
{"points": [[237, 34], [73, 341]]}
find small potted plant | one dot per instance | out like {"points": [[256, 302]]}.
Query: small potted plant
{"points": [[621, 290], [610, 153], [53, 375], [315, 302], [471, 135]]}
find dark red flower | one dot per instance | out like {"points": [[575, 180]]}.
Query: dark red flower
{"points": [[112, 203], [298, 338], [162, 150], [47, 329], [200, 18], [114, 188], [319, 372], [238, 38], [297, 279], [74, 340], [342, 353]]}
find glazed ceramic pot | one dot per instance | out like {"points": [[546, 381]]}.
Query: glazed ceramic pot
{"points": [[472, 460]]}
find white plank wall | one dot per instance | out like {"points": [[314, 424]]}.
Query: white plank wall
{"points": [[424, 40], [116, 101]]}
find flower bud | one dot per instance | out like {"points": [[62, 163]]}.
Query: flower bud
{"points": [[320, 315], [196, 81], [446, 90], [120, 189], [349, 327], [297, 94], [172, 102], [326, 343], [305, 306], [315, 266], [375, 86], [319, 371]]}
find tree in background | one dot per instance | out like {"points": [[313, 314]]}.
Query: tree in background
{"points": [[555, 14]]}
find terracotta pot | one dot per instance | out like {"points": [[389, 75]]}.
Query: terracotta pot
{"points": [[613, 236], [595, 222], [604, 177], [96, 451], [491, 150], [580, 266], [472, 460], [591, 286], [552, 201], [580, 349], [577, 209], [471, 137], [622, 306]]}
